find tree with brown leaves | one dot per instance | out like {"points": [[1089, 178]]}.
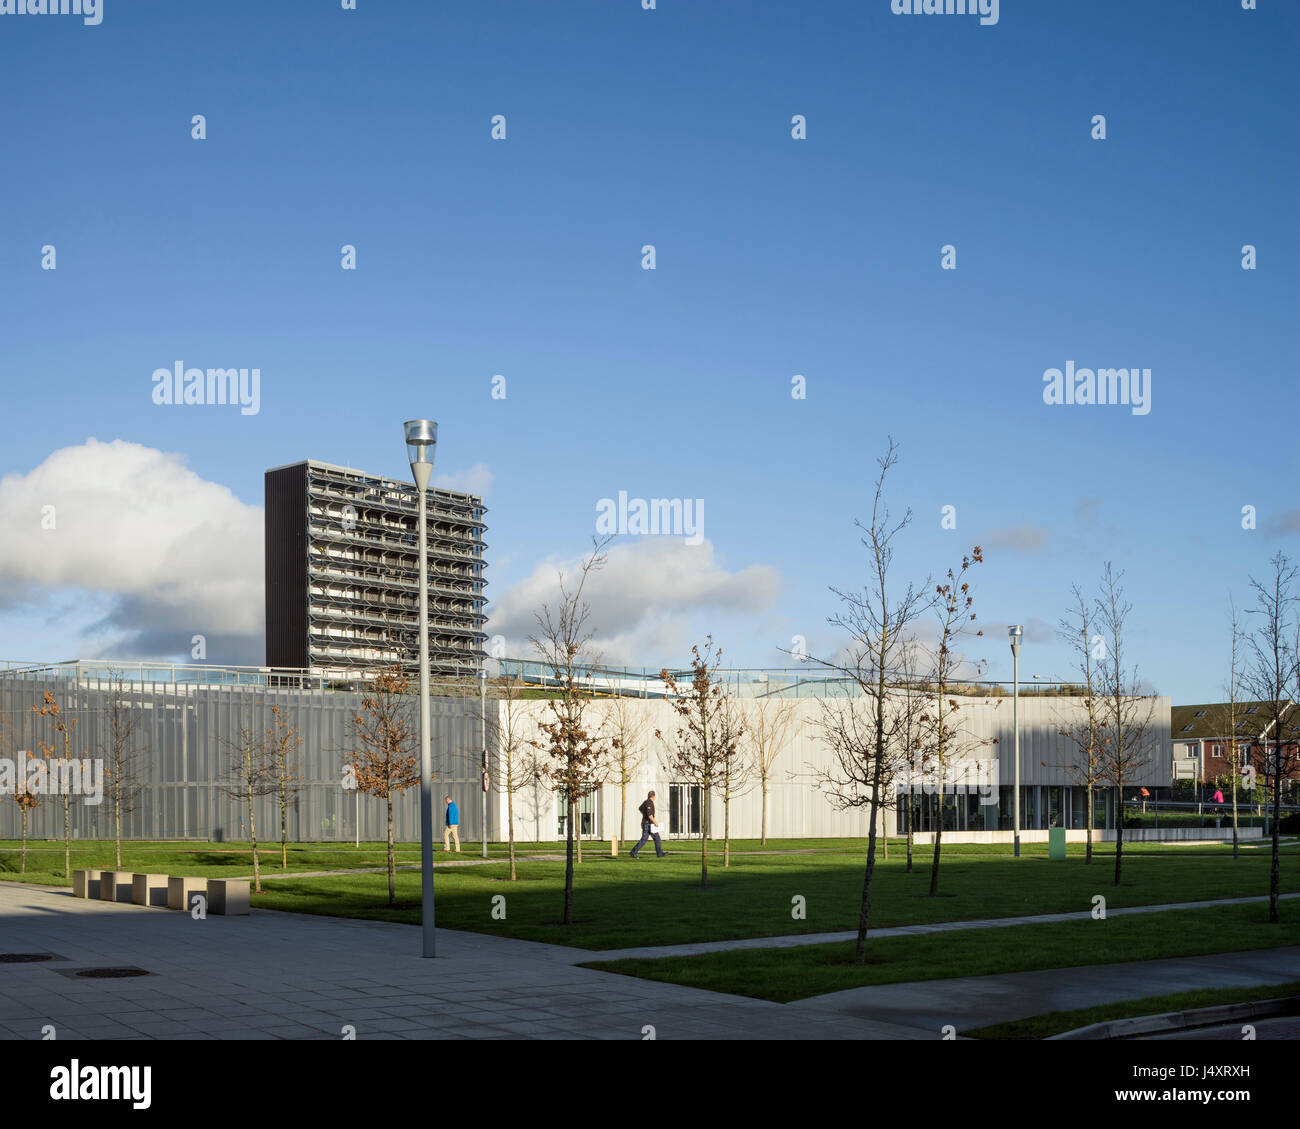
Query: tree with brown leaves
{"points": [[704, 738], [947, 741], [60, 767], [385, 743], [575, 756], [11, 742]]}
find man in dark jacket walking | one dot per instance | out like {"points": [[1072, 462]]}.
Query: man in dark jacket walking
{"points": [[649, 827]]}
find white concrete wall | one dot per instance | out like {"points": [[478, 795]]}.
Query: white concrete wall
{"points": [[796, 806]]}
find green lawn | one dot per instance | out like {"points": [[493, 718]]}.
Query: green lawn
{"points": [[623, 903], [1056, 1022], [812, 970]]}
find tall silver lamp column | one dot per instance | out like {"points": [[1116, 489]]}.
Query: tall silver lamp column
{"points": [[421, 439], [482, 729], [1015, 632]]}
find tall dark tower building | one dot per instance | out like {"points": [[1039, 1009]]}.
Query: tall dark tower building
{"points": [[342, 584]]}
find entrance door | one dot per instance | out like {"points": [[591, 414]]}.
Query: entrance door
{"points": [[684, 810]]}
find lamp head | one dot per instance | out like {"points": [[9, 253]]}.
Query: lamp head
{"points": [[421, 440], [1014, 632]]}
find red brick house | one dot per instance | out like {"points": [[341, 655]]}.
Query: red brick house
{"points": [[1201, 741]]}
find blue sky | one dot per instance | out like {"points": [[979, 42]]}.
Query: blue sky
{"points": [[775, 257]]}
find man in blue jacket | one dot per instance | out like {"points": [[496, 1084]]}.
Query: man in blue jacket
{"points": [[453, 826], [649, 827]]}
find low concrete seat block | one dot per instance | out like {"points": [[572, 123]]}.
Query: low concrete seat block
{"points": [[149, 889], [181, 891], [228, 896], [85, 883], [115, 885]]}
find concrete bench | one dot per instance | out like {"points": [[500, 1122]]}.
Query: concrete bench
{"points": [[115, 885], [181, 891], [85, 883], [228, 896], [149, 889]]}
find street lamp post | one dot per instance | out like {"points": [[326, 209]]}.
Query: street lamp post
{"points": [[1015, 632], [482, 730], [421, 439]]}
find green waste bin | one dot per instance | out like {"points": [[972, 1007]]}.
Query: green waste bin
{"points": [[1056, 843]]}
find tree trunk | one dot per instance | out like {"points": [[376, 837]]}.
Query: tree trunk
{"points": [[938, 846], [67, 837], [577, 833], [704, 839], [864, 910], [622, 807], [726, 832], [117, 821], [252, 837], [392, 859], [1274, 872], [23, 868], [284, 825], [1235, 842], [763, 833], [911, 821], [1092, 815], [510, 818], [568, 863], [1119, 832]]}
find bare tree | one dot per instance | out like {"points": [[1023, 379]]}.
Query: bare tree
{"points": [[60, 767], [868, 741], [515, 755], [770, 724], [703, 739], [736, 775], [1077, 632], [384, 742], [1271, 673], [575, 755], [1225, 718], [626, 723], [121, 757], [282, 741], [1126, 714], [945, 737], [247, 776]]}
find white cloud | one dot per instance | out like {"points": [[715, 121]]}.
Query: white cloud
{"points": [[477, 479], [176, 555], [645, 603]]}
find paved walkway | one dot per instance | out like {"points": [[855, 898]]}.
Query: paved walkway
{"points": [[977, 1001], [296, 976], [793, 940]]}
